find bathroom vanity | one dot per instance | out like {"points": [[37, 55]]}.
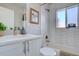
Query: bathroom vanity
{"points": [[20, 45]]}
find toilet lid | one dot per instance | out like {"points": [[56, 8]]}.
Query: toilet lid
{"points": [[47, 51]]}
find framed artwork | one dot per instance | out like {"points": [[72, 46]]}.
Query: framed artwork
{"points": [[34, 16]]}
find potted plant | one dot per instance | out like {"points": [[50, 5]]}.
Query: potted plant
{"points": [[2, 29]]}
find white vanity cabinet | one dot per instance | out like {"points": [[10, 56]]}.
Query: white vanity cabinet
{"points": [[16, 49], [34, 47], [21, 45], [28, 48]]}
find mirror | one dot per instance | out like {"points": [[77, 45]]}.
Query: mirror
{"points": [[7, 18]]}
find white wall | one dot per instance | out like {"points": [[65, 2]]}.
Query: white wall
{"points": [[62, 38], [33, 28]]}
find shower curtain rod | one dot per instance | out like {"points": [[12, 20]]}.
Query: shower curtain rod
{"points": [[43, 4]]}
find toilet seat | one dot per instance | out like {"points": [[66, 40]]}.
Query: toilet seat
{"points": [[47, 51]]}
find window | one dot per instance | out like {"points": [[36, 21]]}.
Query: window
{"points": [[72, 16], [61, 18], [67, 17]]}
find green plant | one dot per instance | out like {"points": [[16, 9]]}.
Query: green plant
{"points": [[2, 27]]}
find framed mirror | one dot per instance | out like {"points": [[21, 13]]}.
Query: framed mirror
{"points": [[34, 16]]}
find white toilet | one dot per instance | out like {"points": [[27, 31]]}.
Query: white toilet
{"points": [[47, 51]]}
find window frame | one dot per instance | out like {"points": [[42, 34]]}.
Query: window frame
{"points": [[57, 18], [68, 7]]}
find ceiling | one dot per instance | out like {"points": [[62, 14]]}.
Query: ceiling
{"points": [[22, 5]]}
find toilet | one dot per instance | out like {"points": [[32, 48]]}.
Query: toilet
{"points": [[47, 51]]}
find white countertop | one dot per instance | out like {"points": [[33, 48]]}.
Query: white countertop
{"points": [[10, 39]]}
